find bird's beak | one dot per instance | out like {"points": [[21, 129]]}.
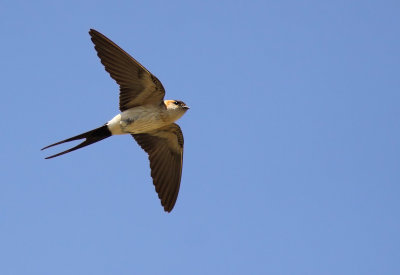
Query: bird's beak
{"points": [[186, 107]]}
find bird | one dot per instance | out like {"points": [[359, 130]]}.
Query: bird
{"points": [[144, 114]]}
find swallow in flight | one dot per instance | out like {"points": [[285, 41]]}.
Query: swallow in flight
{"points": [[145, 115]]}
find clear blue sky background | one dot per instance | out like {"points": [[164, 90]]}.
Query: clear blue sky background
{"points": [[292, 142]]}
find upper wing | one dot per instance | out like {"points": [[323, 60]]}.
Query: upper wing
{"points": [[165, 149], [137, 85]]}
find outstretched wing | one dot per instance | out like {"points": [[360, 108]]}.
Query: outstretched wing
{"points": [[165, 149], [137, 85]]}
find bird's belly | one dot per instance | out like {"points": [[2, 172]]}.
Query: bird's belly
{"points": [[141, 125], [137, 120]]}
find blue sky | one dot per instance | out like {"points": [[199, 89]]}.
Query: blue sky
{"points": [[292, 142]]}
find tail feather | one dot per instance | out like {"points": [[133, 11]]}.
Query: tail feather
{"points": [[90, 136]]}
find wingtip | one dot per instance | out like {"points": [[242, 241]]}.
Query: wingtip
{"points": [[168, 207], [92, 32]]}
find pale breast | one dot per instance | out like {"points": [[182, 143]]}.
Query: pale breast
{"points": [[138, 120]]}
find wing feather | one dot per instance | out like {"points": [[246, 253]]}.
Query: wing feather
{"points": [[137, 85], [165, 149]]}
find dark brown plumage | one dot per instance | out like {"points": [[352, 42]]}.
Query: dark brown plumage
{"points": [[137, 85], [165, 149]]}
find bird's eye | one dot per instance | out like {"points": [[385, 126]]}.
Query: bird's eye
{"points": [[176, 103]]}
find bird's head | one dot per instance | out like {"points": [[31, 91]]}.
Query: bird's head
{"points": [[176, 108]]}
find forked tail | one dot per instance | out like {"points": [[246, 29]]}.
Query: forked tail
{"points": [[91, 137]]}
